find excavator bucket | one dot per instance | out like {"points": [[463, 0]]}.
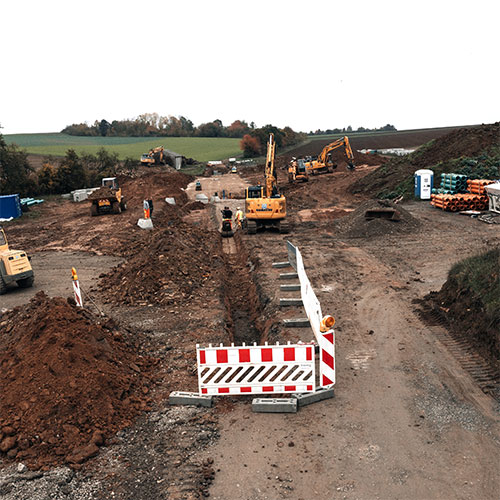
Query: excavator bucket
{"points": [[383, 213]]}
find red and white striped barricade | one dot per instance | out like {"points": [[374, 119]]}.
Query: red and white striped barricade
{"points": [[327, 359], [76, 288], [312, 307], [256, 369]]}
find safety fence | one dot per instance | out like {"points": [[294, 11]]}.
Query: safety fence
{"points": [[312, 307]]}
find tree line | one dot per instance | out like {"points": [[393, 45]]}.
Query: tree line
{"points": [[55, 177], [253, 140], [254, 143], [154, 125]]}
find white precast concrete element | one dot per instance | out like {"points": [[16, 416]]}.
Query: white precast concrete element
{"points": [[203, 198], [493, 192], [145, 223]]}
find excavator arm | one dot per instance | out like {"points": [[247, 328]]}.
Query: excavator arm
{"points": [[344, 141], [270, 172]]}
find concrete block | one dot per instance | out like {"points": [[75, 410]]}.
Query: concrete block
{"points": [[79, 195], [145, 223], [203, 198], [290, 302], [288, 276], [289, 288], [281, 264], [189, 398], [313, 397], [269, 405], [297, 322]]}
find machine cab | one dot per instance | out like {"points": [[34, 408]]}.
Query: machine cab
{"points": [[301, 166], [254, 192], [4, 247], [110, 182]]}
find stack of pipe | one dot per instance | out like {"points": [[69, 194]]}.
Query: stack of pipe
{"points": [[459, 202], [476, 186], [453, 184]]}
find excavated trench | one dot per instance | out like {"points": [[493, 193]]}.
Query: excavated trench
{"points": [[244, 317]]}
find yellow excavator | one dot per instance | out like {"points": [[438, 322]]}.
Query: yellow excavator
{"points": [[155, 156], [265, 206], [323, 163], [15, 266]]}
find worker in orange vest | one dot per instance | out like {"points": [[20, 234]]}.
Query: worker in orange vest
{"points": [[239, 217]]}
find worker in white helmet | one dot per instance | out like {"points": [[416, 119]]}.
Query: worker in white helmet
{"points": [[239, 217]]}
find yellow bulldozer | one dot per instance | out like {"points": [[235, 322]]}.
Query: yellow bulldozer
{"points": [[323, 163], [15, 266], [265, 206], [155, 156], [108, 199]]}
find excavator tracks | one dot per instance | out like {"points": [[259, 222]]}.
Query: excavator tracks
{"points": [[486, 376]]}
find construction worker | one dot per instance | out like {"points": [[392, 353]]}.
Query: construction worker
{"points": [[239, 216], [227, 213]]}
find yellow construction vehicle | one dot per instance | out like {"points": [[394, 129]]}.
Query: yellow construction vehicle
{"points": [[297, 170], [108, 199], [155, 156], [15, 266], [264, 205], [323, 163]]}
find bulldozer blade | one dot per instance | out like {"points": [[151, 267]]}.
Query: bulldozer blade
{"points": [[382, 213]]}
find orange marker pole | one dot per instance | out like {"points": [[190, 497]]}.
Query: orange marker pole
{"points": [[76, 288]]}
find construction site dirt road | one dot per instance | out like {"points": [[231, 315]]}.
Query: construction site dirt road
{"points": [[407, 420]]}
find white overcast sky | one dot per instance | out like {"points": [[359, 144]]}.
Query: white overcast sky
{"points": [[307, 64]]}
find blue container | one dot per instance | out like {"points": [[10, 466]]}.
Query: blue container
{"points": [[424, 180], [10, 206]]}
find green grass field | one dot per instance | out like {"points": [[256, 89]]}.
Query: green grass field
{"points": [[199, 148]]}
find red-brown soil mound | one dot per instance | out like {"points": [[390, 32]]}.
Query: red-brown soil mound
{"points": [[166, 265], [67, 382]]}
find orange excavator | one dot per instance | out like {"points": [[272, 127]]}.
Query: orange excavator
{"points": [[265, 206], [155, 156], [323, 163]]}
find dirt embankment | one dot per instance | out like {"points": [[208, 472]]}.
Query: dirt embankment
{"points": [[469, 303], [464, 142], [165, 266], [69, 381], [399, 139]]}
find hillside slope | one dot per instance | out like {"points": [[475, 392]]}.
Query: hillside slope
{"points": [[479, 144]]}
